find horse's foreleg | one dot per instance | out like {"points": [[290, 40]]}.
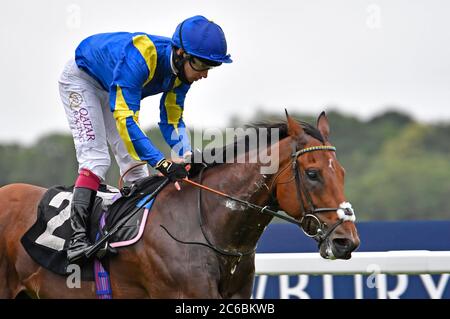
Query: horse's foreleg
{"points": [[5, 291], [9, 282]]}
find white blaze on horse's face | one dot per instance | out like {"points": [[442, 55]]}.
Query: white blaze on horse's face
{"points": [[330, 164]]}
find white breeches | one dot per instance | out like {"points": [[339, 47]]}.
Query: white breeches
{"points": [[92, 124]]}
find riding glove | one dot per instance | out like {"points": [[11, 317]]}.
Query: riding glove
{"points": [[173, 171]]}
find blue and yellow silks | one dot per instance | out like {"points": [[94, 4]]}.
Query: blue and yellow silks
{"points": [[132, 66]]}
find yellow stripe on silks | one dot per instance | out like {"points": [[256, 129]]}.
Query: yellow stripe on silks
{"points": [[147, 49], [121, 112], [177, 83], [121, 106], [173, 110]]}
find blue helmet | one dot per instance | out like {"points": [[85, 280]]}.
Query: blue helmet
{"points": [[202, 38]]}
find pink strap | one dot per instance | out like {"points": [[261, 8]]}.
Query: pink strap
{"points": [[87, 179]]}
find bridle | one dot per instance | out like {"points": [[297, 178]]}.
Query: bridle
{"points": [[321, 231]]}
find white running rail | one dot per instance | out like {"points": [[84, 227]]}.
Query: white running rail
{"points": [[389, 262]]}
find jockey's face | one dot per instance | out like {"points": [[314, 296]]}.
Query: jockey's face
{"points": [[191, 74]]}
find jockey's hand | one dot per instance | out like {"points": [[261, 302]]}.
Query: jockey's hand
{"points": [[174, 171]]}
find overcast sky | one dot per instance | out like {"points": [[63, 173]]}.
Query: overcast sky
{"points": [[356, 56]]}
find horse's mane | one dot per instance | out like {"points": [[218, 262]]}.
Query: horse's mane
{"points": [[233, 147], [283, 129]]}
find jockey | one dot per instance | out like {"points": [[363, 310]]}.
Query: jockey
{"points": [[101, 90]]}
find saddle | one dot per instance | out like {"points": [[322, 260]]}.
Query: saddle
{"points": [[48, 239]]}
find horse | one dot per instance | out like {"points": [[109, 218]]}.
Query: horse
{"points": [[196, 243]]}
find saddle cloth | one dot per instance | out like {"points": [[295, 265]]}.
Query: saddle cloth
{"points": [[48, 239]]}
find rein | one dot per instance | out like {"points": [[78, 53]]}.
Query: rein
{"points": [[260, 209]]}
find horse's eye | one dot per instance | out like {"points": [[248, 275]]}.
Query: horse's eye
{"points": [[312, 175]]}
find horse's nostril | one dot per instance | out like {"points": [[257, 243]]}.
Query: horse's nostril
{"points": [[342, 243]]}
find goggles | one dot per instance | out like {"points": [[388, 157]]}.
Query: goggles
{"points": [[199, 65]]}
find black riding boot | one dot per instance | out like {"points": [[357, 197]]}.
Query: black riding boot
{"points": [[82, 204]]}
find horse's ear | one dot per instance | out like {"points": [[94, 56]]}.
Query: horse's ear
{"points": [[294, 128], [323, 126]]}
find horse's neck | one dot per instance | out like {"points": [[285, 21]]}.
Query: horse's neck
{"points": [[232, 224]]}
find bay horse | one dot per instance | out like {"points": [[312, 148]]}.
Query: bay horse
{"points": [[309, 179]]}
